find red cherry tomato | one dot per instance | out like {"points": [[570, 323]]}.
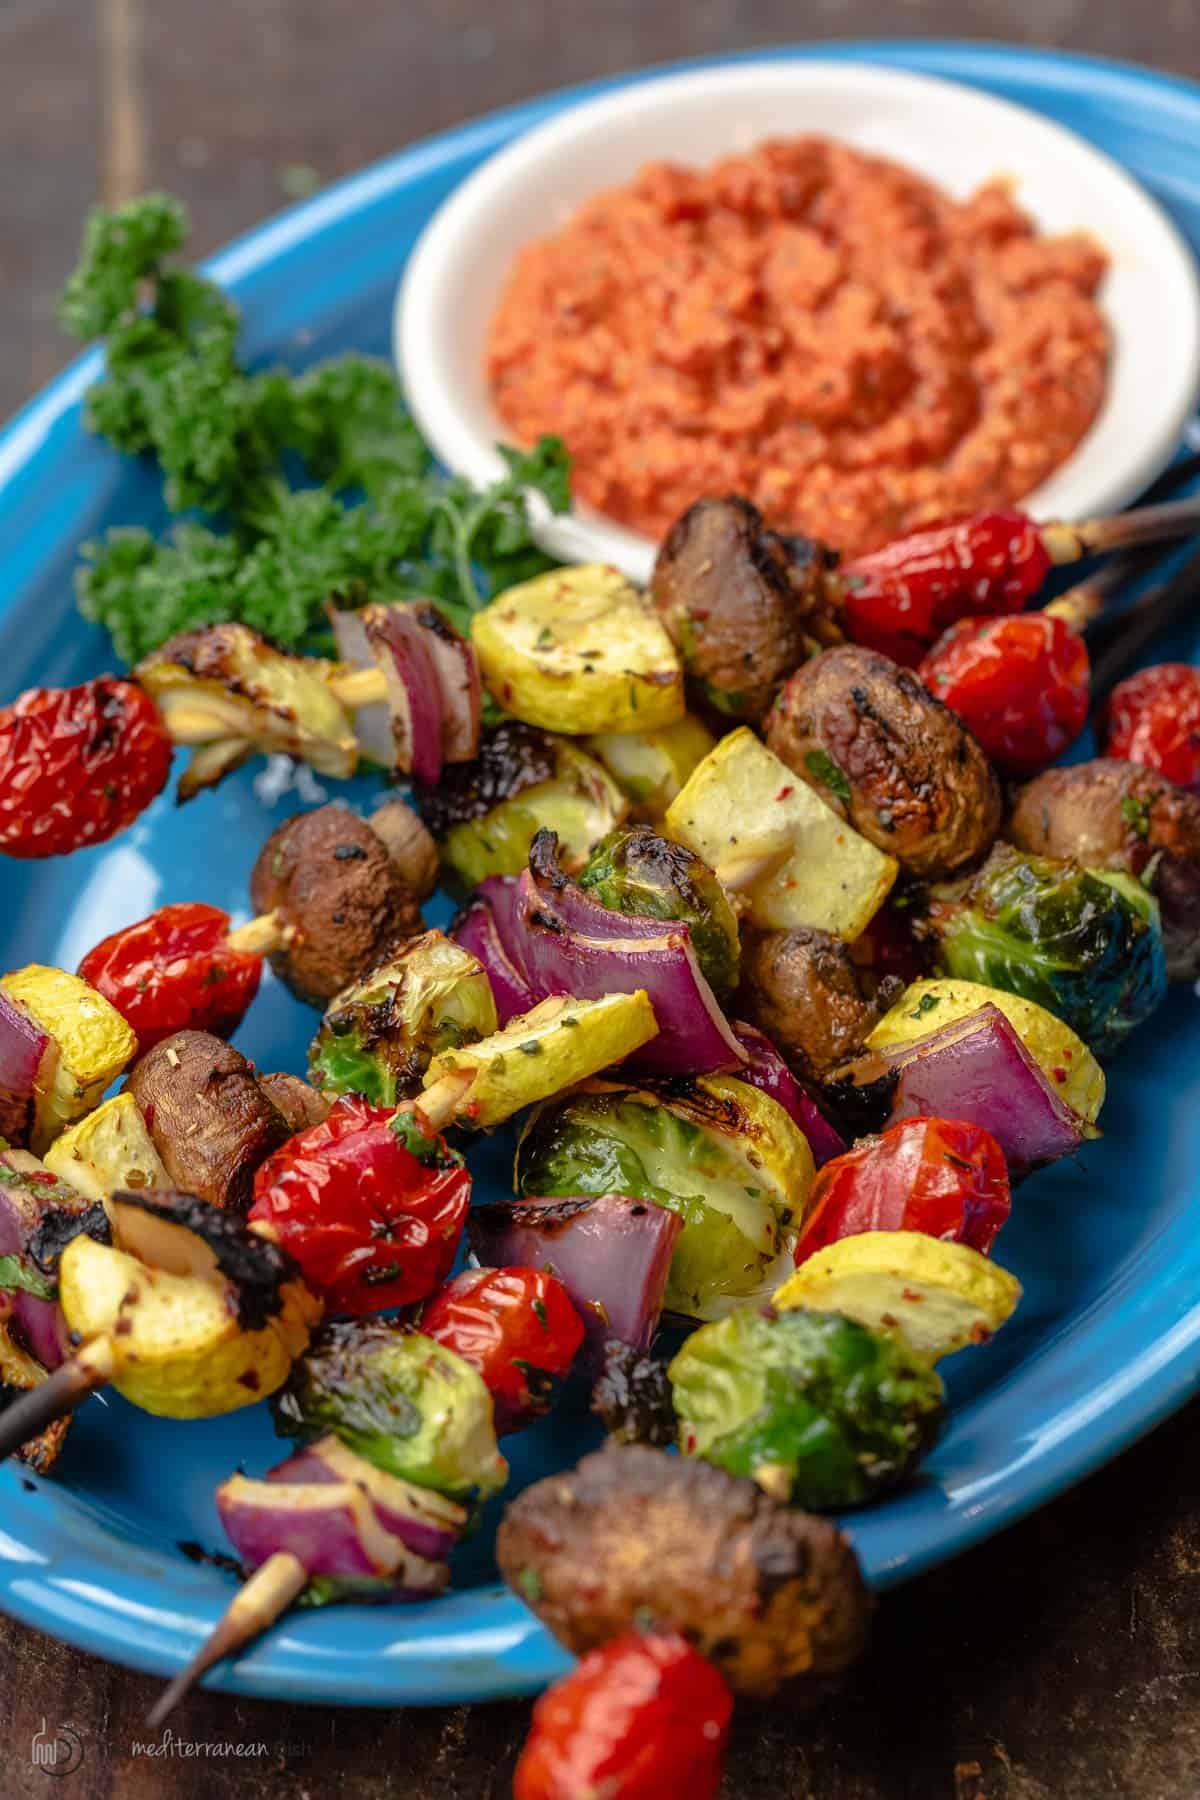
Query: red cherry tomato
{"points": [[944, 1177], [1021, 684], [175, 971], [77, 765], [1154, 719], [640, 1718], [901, 598], [371, 1224], [517, 1327]]}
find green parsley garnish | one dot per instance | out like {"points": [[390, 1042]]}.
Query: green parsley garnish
{"points": [[371, 517], [926, 1004], [822, 768], [1136, 814], [19, 1276]]}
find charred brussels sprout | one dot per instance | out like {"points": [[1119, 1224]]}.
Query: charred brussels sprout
{"points": [[633, 870], [407, 1404], [716, 1151], [381, 1033], [819, 1410], [1083, 943], [485, 814]]}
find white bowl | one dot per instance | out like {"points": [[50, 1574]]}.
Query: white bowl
{"points": [[955, 135]]}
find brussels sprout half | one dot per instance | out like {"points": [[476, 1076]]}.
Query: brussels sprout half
{"points": [[381, 1033], [722, 1155], [1085, 944], [407, 1404], [816, 1408], [634, 870]]}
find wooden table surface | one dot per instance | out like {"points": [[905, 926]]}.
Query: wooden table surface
{"points": [[1062, 1660]]}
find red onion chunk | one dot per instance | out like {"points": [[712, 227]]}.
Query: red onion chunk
{"points": [[401, 649], [43, 1329], [427, 1523], [459, 686], [405, 731], [477, 929], [24, 1047], [694, 1037], [611, 1253], [330, 1527], [768, 1071], [978, 1069]]}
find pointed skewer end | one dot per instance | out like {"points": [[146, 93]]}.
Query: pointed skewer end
{"points": [[268, 1593]]}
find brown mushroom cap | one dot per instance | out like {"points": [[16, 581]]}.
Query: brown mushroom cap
{"points": [[332, 881], [300, 1104], [919, 785], [805, 990], [743, 605], [1108, 814], [771, 1595], [210, 1120]]}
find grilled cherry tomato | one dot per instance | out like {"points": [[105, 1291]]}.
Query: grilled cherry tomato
{"points": [[1021, 684], [901, 598], [944, 1177], [1154, 719], [371, 1209], [175, 971], [517, 1327], [77, 765], [638, 1719]]}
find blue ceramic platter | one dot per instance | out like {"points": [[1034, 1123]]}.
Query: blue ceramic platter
{"points": [[1107, 1340]]}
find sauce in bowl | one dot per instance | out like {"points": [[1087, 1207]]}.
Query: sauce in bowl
{"points": [[821, 330]]}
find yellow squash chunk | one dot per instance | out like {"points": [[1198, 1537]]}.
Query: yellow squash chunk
{"points": [[939, 1297], [926, 1006], [560, 1042], [107, 1150], [226, 685], [794, 860], [179, 1349], [650, 767], [94, 1044], [578, 650]]}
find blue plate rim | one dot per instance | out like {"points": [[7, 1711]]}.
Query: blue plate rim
{"points": [[509, 1652]]}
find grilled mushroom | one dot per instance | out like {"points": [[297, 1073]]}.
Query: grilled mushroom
{"points": [[895, 762], [329, 879], [211, 1122]]}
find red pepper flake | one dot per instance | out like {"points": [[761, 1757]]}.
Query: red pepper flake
{"points": [[784, 792], [1060, 1075]]}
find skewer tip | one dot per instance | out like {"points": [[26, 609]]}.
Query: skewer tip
{"points": [[268, 1594]]}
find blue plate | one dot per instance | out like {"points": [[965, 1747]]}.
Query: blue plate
{"points": [[1107, 1339]]}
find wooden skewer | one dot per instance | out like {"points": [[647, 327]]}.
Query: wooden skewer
{"points": [[265, 1597], [436, 1107], [358, 687], [1066, 543], [90, 1368], [262, 935]]}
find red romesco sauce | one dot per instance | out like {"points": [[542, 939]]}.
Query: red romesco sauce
{"points": [[823, 331]]}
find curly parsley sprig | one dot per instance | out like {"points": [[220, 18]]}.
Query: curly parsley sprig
{"points": [[313, 485]]}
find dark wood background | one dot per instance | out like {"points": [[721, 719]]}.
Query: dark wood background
{"points": [[1059, 1662]]}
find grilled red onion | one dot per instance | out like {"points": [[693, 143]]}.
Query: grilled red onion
{"points": [[24, 1050], [427, 1523], [978, 1069], [459, 686], [768, 1071], [573, 945], [611, 1253], [477, 928], [330, 1527], [405, 732]]}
